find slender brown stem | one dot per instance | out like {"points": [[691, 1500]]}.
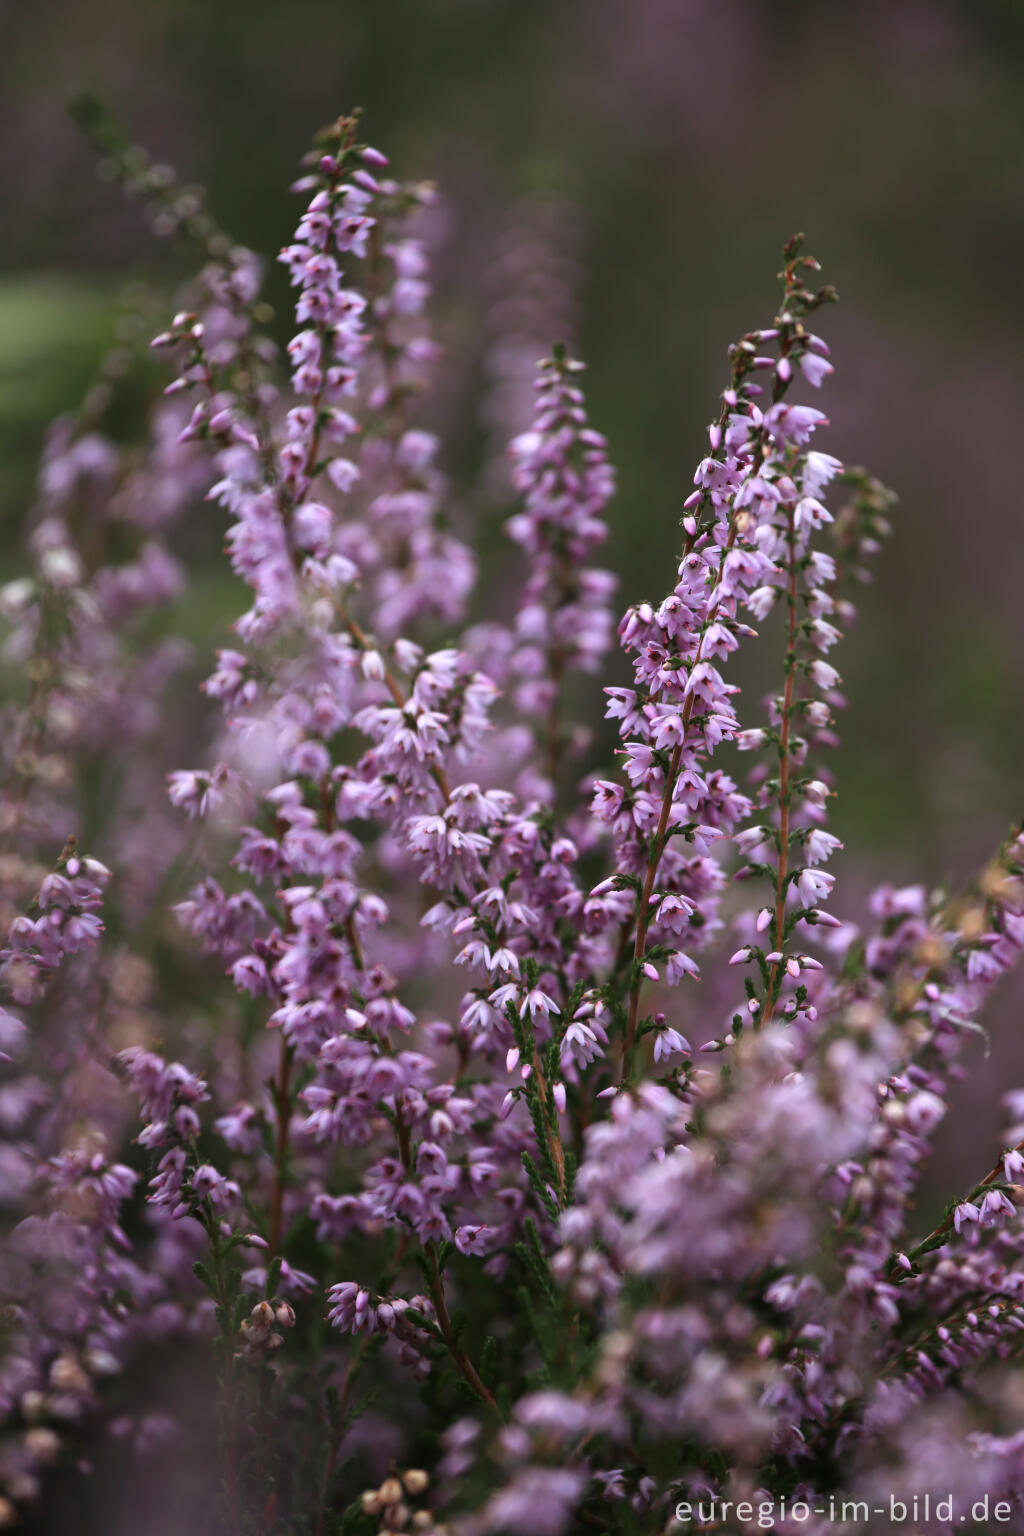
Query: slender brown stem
{"points": [[785, 794], [554, 1141], [283, 1109], [455, 1349], [435, 1285]]}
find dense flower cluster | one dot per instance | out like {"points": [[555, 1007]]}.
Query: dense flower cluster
{"points": [[594, 1273]]}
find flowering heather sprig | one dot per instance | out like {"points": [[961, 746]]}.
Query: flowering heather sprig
{"points": [[426, 1130], [230, 282], [72, 1294], [62, 920], [932, 974], [791, 849], [680, 707], [563, 623]]}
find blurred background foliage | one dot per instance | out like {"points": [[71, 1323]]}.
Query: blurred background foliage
{"points": [[687, 139]]}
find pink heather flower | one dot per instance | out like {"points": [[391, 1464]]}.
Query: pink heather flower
{"points": [[965, 1213], [581, 1043], [473, 1240], [537, 1002], [668, 1042]]}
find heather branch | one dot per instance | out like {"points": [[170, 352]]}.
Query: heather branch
{"points": [[785, 792], [937, 1238], [283, 1110], [435, 1284]]}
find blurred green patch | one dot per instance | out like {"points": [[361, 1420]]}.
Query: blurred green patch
{"points": [[53, 331], [206, 609]]}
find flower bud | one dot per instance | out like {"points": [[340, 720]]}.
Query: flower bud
{"points": [[262, 1315]]}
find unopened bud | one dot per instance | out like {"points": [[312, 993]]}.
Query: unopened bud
{"points": [[262, 1314]]}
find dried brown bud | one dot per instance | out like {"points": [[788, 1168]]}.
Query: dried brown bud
{"points": [[262, 1315]]}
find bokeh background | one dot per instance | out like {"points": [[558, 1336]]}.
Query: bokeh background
{"points": [[623, 173]]}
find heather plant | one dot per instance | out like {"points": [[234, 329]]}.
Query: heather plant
{"points": [[493, 1248]]}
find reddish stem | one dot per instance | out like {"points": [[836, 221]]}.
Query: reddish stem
{"points": [[283, 1108], [785, 793]]}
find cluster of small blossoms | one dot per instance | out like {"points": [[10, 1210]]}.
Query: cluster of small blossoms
{"points": [[394, 1502], [258, 1333], [680, 708], [405, 1321], [370, 347], [72, 1293], [931, 972], [81, 743], [70, 1288], [101, 569], [564, 622], [228, 285], [789, 852], [62, 920], [168, 1094], [420, 1135]]}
